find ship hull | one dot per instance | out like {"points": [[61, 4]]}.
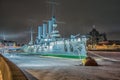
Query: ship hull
{"points": [[62, 47]]}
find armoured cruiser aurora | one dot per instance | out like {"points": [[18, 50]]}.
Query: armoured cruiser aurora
{"points": [[49, 41]]}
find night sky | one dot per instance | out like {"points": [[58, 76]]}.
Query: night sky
{"points": [[78, 16]]}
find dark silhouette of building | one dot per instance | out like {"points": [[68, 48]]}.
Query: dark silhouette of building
{"points": [[95, 37], [8, 43]]}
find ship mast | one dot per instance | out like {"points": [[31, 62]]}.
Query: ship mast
{"points": [[53, 3], [31, 36], [4, 37], [53, 8]]}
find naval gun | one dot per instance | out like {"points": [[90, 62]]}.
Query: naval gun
{"points": [[74, 36]]}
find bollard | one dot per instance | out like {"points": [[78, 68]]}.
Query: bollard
{"points": [[88, 61]]}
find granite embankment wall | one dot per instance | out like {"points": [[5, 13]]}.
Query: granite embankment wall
{"points": [[9, 71]]}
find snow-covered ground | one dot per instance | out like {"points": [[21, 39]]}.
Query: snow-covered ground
{"points": [[49, 68]]}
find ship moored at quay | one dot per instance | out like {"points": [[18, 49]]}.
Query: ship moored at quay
{"points": [[49, 41]]}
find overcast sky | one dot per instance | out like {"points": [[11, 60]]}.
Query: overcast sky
{"points": [[17, 16]]}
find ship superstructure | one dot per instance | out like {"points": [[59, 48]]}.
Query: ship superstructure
{"points": [[49, 41]]}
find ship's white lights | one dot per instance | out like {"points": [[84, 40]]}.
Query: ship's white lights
{"points": [[79, 39], [46, 39]]}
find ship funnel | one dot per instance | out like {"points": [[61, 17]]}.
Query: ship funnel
{"points": [[39, 32], [53, 19], [44, 30], [50, 28]]}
